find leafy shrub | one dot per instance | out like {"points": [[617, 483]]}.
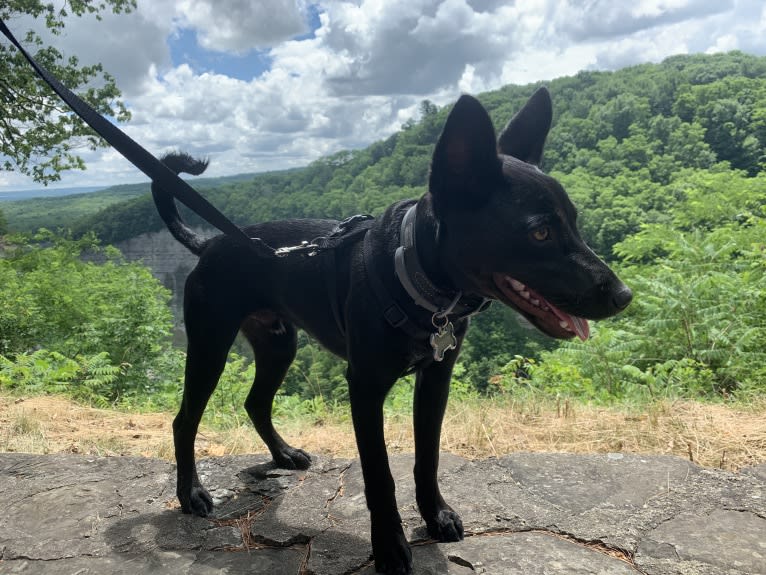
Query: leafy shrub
{"points": [[77, 299], [88, 378]]}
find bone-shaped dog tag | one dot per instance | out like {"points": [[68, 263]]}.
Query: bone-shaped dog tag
{"points": [[443, 340]]}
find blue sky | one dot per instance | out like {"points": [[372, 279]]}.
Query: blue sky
{"points": [[184, 48], [275, 84]]}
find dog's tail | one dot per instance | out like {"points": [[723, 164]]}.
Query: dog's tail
{"points": [[166, 204]]}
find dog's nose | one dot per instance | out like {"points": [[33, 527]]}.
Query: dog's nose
{"points": [[622, 297]]}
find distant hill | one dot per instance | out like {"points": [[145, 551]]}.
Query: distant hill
{"points": [[47, 192], [55, 209]]}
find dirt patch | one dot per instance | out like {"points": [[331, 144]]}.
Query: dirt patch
{"points": [[713, 435]]}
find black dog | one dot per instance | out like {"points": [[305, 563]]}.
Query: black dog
{"points": [[394, 297]]}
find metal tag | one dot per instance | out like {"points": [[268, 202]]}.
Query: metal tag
{"points": [[443, 340]]}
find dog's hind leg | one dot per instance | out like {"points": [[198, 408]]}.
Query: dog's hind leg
{"points": [[209, 340], [274, 343]]}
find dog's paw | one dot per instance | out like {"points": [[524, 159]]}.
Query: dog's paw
{"points": [[199, 502], [447, 526], [292, 458], [392, 554]]}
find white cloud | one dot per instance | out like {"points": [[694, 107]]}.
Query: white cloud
{"points": [[365, 68], [411, 47], [724, 43], [242, 25], [584, 20]]}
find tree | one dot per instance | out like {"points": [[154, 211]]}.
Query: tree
{"points": [[38, 134]]}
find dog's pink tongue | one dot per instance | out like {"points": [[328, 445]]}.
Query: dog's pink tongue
{"points": [[579, 325]]}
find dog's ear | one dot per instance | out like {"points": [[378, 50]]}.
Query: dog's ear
{"points": [[465, 161], [524, 136]]}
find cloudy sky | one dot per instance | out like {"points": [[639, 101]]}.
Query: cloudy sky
{"points": [[268, 84]]}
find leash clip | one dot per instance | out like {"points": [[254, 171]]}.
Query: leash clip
{"points": [[310, 247], [344, 231]]}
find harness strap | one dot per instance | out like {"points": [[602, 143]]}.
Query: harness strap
{"points": [[131, 150], [392, 312], [330, 273], [346, 232]]}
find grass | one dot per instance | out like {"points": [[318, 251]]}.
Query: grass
{"points": [[710, 434]]}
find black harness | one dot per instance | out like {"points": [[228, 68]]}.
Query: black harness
{"points": [[442, 307]]}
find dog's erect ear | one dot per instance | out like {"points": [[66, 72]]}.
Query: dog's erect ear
{"points": [[465, 159], [524, 136]]}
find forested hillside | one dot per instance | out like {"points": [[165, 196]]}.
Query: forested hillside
{"points": [[643, 123], [664, 162]]}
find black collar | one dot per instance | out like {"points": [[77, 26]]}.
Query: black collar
{"points": [[411, 274], [419, 286]]}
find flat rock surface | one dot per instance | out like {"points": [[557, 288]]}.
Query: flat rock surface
{"points": [[529, 514]]}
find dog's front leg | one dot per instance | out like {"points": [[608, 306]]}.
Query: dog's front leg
{"points": [[431, 392], [389, 545]]}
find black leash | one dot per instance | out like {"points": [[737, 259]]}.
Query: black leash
{"points": [[131, 150]]}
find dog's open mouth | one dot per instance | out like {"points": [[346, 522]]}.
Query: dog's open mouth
{"points": [[543, 314]]}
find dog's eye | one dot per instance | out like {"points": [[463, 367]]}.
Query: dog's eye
{"points": [[541, 234]]}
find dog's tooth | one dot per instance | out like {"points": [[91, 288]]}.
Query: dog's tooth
{"points": [[517, 285]]}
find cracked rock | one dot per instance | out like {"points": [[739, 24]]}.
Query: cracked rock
{"points": [[524, 514], [721, 542]]}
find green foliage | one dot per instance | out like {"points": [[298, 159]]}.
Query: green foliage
{"points": [[38, 137], [54, 299], [316, 373], [225, 406], [88, 378], [495, 337], [400, 399], [600, 371], [696, 327], [313, 410]]}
